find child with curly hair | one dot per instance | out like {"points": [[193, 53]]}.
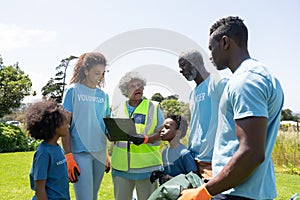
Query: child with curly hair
{"points": [[46, 120]]}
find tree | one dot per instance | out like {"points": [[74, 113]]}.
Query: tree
{"points": [[175, 107], [157, 97], [287, 114], [14, 86], [175, 97], [55, 87]]}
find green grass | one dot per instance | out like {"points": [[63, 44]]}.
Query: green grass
{"points": [[286, 153], [287, 185], [14, 179]]}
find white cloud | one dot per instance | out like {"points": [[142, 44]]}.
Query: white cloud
{"points": [[13, 37]]}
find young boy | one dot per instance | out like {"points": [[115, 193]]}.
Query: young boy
{"points": [[176, 158], [49, 179]]}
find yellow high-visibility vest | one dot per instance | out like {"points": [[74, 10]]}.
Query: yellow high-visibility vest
{"points": [[126, 155]]}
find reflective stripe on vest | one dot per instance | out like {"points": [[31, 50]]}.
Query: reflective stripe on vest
{"points": [[124, 144], [144, 155]]}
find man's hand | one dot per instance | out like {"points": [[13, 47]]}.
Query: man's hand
{"points": [[195, 193], [73, 169], [139, 139]]}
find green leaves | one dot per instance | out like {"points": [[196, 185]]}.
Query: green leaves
{"points": [[14, 86], [12, 139], [54, 88]]}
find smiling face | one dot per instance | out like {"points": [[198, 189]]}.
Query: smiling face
{"points": [[187, 70], [94, 76], [168, 132], [135, 90]]}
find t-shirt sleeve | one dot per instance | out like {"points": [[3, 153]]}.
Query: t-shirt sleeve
{"points": [[249, 97], [160, 118], [220, 87], [40, 165], [188, 161], [67, 100]]}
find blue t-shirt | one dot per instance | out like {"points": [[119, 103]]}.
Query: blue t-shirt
{"points": [[251, 91], [136, 175], [178, 160], [88, 107], [204, 104], [49, 163]]}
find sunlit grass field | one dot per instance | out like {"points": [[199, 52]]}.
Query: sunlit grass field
{"points": [[14, 171], [14, 179]]}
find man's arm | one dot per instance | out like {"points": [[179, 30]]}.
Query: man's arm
{"points": [[251, 133]]}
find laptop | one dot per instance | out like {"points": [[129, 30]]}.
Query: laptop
{"points": [[119, 129]]}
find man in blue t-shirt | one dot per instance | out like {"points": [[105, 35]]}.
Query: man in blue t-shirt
{"points": [[204, 104], [250, 110]]}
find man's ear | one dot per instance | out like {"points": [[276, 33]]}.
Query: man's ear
{"points": [[225, 42], [86, 72]]}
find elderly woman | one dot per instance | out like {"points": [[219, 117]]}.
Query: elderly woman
{"points": [[133, 161]]}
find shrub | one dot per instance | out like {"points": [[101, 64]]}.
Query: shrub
{"points": [[286, 153], [13, 139]]}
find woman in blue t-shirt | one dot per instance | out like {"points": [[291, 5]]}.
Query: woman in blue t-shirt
{"points": [[85, 144]]}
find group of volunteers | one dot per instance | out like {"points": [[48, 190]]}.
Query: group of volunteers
{"points": [[233, 128]]}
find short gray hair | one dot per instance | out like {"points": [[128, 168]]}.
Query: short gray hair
{"points": [[128, 78], [193, 56]]}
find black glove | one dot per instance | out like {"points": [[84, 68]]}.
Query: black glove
{"points": [[77, 173], [155, 175], [164, 178], [161, 176], [107, 167], [137, 139]]}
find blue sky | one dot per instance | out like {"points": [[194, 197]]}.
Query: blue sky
{"points": [[39, 33]]}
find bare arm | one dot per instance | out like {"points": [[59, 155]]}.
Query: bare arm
{"points": [[155, 137], [251, 133], [66, 139], [40, 190]]}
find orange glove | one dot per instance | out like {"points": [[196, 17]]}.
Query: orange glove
{"points": [[73, 169], [195, 193]]}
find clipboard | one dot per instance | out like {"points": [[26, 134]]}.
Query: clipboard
{"points": [[119, 129]]}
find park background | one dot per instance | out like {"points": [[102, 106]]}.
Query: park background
{"points": [[39, 34]]}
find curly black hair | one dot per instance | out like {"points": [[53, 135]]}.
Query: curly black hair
{"points": [[43, 118], [181, 123], [233, 27], [176, 118]]}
